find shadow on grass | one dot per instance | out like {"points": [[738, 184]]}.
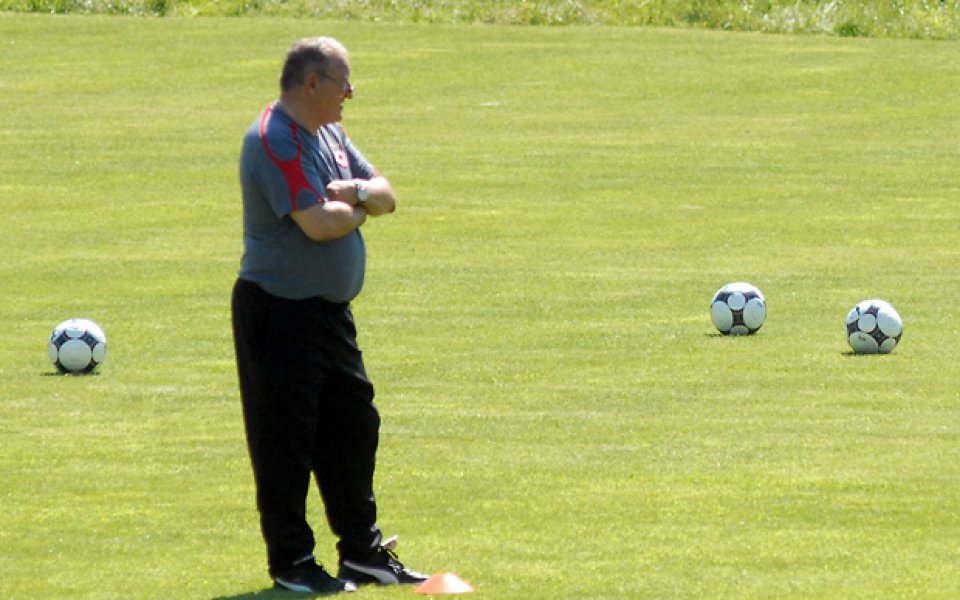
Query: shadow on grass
{"points": [[717, 334], [55, 373], [68, 375], [266, 594]]}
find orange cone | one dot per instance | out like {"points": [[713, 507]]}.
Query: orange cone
{"points": [[444, 583]]}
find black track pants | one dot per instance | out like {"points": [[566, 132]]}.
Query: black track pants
{"points": [[307, 408]]}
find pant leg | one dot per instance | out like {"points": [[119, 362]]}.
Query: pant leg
{"points": [[279, 383], [348, 431]]}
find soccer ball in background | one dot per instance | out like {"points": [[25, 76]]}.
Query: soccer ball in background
{"points": [[738, 309], [77, 346], [873, 326]]}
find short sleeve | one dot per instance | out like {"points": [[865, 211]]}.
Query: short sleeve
{"points": [[288, 174]]}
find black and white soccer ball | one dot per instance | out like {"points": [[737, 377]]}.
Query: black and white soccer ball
{"points": [[77, 346], [738, 309], [874, 326]]}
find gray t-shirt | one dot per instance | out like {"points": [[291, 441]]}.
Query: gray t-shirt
{"points": [[285, 168]]}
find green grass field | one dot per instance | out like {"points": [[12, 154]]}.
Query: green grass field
{"points": [[560, 418]]}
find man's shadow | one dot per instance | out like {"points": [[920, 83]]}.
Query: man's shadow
{"points": [[267, 594]]}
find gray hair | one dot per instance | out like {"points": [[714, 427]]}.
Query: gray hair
{"points": [[307, 56]]}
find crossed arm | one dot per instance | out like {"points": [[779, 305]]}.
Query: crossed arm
{"points": [[342, 214]]}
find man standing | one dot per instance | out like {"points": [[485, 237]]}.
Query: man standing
{"points": [[307, 402]]}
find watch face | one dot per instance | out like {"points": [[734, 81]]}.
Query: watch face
{"points": [[362, 193]]}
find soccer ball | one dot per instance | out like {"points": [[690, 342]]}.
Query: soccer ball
{"points": [[738, 309], [77, 346], [873, 326]]}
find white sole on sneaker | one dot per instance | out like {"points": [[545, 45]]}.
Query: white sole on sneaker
{"points": [[293, 587], [348, 586]]}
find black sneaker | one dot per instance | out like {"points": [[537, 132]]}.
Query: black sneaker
{"points": [[382, 568], [310, 578]]}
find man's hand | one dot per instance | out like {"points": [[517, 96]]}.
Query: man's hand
{"points": [[342, 190], [381, 198]]}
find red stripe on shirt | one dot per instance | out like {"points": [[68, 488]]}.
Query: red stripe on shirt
{"points": [[292, 169]]}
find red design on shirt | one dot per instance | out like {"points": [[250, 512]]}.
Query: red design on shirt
{"points": [[292, 169]]}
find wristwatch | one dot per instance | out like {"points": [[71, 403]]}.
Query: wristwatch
{"points": [[362, 193]]}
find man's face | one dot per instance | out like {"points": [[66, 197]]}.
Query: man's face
{"points": [[331, 88]]}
